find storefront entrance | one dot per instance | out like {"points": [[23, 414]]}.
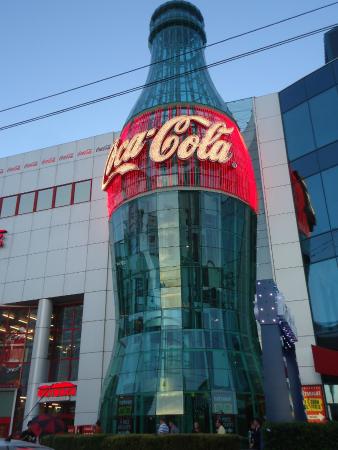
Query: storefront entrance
{"points": [[65, 410], [7, 401]]}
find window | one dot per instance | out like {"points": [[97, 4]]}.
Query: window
{"points": [[324, 113], [82, 191], [17, 327], [318, 248], [320, 80], [317, 201], [323, 286], [45, 198], [293, 95], [330, 178], [307, 165], [26, 204], [8, 206], [328, 156], [298, 131], [63, 195]]}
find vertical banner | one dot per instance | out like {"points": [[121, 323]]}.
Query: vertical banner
{"points": [[314, 403]]}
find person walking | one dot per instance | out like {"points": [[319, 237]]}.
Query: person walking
{"points": [[98, 428], [255, 434], [196, 428], [219, 427], [28, 435], [173, 428], [163, 428]]}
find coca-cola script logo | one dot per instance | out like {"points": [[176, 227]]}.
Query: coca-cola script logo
{"points": [[212, 146]]}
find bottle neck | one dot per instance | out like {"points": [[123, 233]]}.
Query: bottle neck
{"points": [[180, 48]]}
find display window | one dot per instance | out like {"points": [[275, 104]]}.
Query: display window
{"points": [[17, 327], [64, 349]]}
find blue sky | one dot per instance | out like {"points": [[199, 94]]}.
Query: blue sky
{"points": [[47, 46]]}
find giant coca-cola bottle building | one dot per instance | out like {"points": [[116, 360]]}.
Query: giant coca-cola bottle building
{"points": [[182, 204]]}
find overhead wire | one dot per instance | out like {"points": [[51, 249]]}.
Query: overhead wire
{"points": [[162, 80], [135, 69]]}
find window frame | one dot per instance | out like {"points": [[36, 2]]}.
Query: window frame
{"points": [[16, 205], [36, 195], [18, 213]]}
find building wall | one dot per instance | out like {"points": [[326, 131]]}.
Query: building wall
{"points": [[287, 265], [63, 251], [313, 158], [243, 111], [309, 111]]}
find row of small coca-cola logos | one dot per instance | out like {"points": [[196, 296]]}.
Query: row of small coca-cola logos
{"points": [[54, 159]]}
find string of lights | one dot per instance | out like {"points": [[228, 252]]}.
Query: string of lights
{"points": [[135, 69], [163, 80]]}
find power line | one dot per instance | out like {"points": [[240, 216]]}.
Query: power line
{"points": [[91, 83], [137, 88]]}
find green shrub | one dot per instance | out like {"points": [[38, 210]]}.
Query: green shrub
{"points": [[172, 442], [74, 441], [143, 442], [301, 436]]}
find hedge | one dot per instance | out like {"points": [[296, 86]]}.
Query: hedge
{"points": [[74, 441], [143, 442], [172, 442], [301, 436]]}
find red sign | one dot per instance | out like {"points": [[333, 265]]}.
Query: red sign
{"points": [[183, 145], [67, 156], [49, 160], [87, 152], [5, 423], [14, 168], [2, 237], [87, 429], [30, 165], [326, 360], [314, 403], [62, 389]]}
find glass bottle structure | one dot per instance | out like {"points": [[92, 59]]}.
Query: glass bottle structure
{"points": [[182, 205]]}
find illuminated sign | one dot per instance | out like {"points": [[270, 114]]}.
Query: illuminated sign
{"points": [[62, 389], [182, 145], [314, 403], [166, 143], [2, 237]]}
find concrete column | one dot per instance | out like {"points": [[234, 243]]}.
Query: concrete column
{"points": [[39, 362]]}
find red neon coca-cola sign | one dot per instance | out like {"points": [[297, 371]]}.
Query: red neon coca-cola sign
{"points": [[62, 389], [179, 146]]}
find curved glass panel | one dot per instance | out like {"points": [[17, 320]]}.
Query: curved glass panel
{"points": [[187, 343]]}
